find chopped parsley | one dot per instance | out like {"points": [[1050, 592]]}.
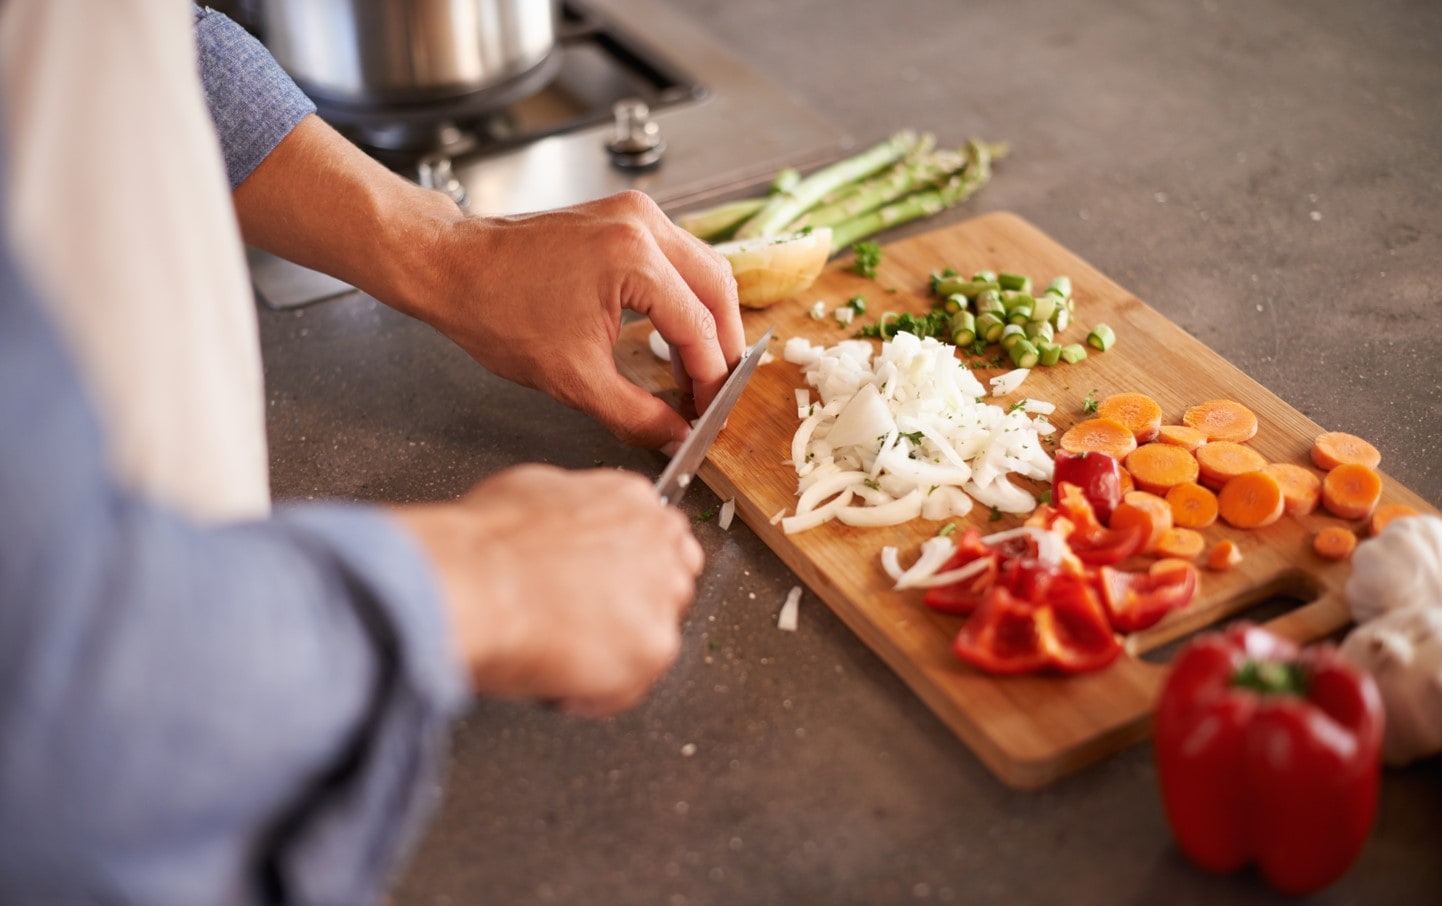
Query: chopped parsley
{"points": [[1089, 404], [995, 515], [868, 256]]}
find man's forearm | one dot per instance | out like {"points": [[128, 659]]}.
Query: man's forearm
{"points": [[319, 201]]}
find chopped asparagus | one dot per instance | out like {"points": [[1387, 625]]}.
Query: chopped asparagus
{"points": [[1102, 337]]}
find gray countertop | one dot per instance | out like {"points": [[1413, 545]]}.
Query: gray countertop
{"points": [[1266, 174]]}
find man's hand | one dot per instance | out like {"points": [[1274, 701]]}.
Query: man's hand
{"points": [[562, 585], [536, 299]]}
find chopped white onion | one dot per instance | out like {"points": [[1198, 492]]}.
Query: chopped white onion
{"points": [[659, 347], [913, 426], [935, 551], [787, 620], [728, 512], [803, 402], [1003, 384]]}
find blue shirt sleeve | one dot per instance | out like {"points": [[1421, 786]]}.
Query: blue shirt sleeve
{"points": [[253, 102], [248, 714]]}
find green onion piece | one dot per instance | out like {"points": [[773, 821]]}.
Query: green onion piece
{"points": [[990, 301], [1044, 307], [969, 288], [1019, 282], [1061, 318], [963, 328], [989, 326], [1012, 333], [1102, 337], [1039, 330], [1073, 353], [1023, 354]]}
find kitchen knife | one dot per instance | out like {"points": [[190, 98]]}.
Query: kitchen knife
{"points": [[678, 473]]}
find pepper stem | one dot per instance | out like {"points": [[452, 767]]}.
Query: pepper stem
{"points": [[1272, 678]]}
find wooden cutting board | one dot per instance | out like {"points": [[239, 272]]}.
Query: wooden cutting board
{"points": [[1029, 730]]}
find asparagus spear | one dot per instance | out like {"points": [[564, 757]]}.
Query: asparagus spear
{"points": [[781, 209], [924, 203], [925, 144], [897, 182], [717, 223]]}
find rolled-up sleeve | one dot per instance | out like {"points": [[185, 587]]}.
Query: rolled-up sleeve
{"points": [[253, 102], [252, 713]]}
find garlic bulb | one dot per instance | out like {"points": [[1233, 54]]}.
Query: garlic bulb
{"points": [[1403, 652], [1398, 568]]}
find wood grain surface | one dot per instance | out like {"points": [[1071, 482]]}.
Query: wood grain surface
{"points": [[1029, 730]]}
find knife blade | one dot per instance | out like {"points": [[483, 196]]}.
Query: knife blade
{"points": [[677, 475]]}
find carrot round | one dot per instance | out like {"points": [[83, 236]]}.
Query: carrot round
{"points": [[1301, 488], [1182, 543], [1159, 467], [1139, 412], [1251, 500], [1352, 490], [1224, 555], [1146, 511], [1333, 448], [1181, 436], [1222, 420], [1193, 506], [1386, 513], [1106, 435], [1334, 543], [1220, 461]]}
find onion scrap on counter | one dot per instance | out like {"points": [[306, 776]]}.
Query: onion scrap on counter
{"points": [[906, 434]]}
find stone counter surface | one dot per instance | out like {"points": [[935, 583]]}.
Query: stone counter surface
{"points": [[1267, 174]]}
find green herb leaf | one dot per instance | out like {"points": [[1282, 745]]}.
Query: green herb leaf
{"points": [[995, 515], [1089, 404], [868, 256]]}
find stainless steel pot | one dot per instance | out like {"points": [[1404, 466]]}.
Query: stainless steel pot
{"points": [[395, 55]]}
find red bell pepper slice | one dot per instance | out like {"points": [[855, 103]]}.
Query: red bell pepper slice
{"points": [[1092, 542], [1097, 475], [967, 595], [1064, 629], [1135, 601], [1268, 754]]}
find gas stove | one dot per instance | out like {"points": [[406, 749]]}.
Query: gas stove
{"points": [[640, 98]]}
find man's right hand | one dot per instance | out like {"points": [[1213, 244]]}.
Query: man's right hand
{"points": [[561, 585]]}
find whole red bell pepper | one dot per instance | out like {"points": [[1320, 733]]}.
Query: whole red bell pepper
{"points": [[1269, 754]]}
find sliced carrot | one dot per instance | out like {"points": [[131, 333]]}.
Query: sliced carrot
{"points": [[1352, 490], [1182, 543], [1224, 555], [1139, 412], [1334, 543], [1193, 506], [1386, 513], [1220, 461], [1251, 500], [1169, 564], [1104, 434], [1158, 467], [1301, 488], [1147, 511], [1127, 483], [1181, 436], [1332, 448], [1222, 420]]}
